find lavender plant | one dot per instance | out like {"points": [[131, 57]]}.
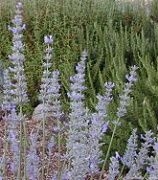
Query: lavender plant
{"points": [[142, 157], [15, 93], [85, 128], [50, 96], [77, 139], [45, 94], [45, 81], [19, 87], [98, 126], [130, 155], [122, 109], [50, 87]]}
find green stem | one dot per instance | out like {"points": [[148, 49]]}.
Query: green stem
{"points": [[109, 148]]}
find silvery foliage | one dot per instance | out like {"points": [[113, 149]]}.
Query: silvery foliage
{"points": [[17, 58], [130, 155], [137, 159], [124, 97], [98, 126], [32, 159], [142, 157], [114, 167], [153, 168], [77, 140], [50, 87]]}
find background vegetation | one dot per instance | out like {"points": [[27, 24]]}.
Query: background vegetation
{"points": [[115, 38]]}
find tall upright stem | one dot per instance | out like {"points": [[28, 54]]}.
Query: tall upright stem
{"points": [[109, 148]]}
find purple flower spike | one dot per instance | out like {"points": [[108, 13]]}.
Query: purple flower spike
{"points": [[98, 126], [17, 58], [124, 97], [48, 39], [77, 141]]}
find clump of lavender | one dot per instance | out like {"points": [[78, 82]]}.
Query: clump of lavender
{"points": [[142, 158], [77, 135], [98, 126], [122, 109]]}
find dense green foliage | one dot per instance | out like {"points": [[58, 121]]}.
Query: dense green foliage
{"points": [[115, 40]]}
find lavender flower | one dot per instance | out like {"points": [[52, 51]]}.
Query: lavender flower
{"points": [[17, 58], [77, 135], [48, 39], [113, 168], [124, 98], [130, 155], [50, 87], [98, 127], [45, 84]]}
